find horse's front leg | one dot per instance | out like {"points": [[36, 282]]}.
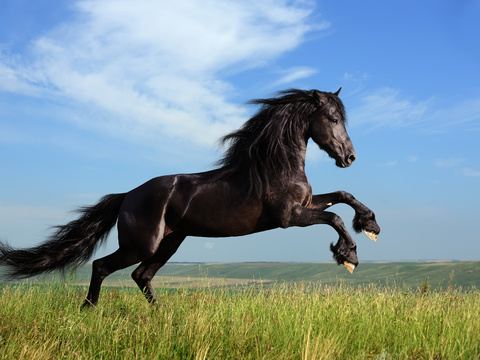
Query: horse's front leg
{"points": [[364, 219], [345, 251]]}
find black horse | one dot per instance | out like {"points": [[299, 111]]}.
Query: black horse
{"points": [[260, 184]]}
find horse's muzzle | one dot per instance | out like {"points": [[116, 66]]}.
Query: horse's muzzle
{"points": [[350, 159], [347, 161]]}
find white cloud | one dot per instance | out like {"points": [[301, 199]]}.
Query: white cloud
{"points": [[294, 74], [386, 107], [148, 69]]}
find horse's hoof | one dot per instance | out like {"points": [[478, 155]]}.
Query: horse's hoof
{"points": [[87, 305], [371, 235], [349, 266]]}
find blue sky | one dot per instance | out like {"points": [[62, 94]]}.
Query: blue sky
{"points": [[97, 97]]}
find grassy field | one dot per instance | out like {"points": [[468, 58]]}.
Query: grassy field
{"points": [[251, 311], [282, 321]]}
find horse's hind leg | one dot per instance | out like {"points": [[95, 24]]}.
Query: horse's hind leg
{"points": [[103, 267], [145, 272]]}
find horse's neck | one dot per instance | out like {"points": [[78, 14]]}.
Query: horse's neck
{"points": [[298, 157]]}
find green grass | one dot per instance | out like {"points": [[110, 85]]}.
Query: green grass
{"points": [[282, 321]]}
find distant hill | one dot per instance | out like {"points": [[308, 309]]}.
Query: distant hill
{"points": [[411, 274], [465, 274]]}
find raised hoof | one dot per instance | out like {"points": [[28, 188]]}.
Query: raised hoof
{"points": [[349, 266], [371, 235]]}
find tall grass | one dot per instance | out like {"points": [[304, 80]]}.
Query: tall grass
{"points": [[299, 321]]}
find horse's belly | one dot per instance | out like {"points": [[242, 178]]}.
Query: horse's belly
{"points": [[221, 219]]}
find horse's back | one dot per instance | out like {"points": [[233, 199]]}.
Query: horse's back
{"points": [[202, 204]]}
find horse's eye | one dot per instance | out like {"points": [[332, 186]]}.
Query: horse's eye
{"points": [[334, 120]]}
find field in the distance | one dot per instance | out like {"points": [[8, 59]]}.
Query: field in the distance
{"points": [[441, 274]]}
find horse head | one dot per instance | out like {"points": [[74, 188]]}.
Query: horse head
{"points": [[327, 128]]}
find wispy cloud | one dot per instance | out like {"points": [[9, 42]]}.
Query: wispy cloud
{"points": [[356, 82], [470, 172], [294, 74], [464, 113], [314, 153], [209, 245], [447, 163], [390, 163], [387, 107], [150, 68], [456, 163]]}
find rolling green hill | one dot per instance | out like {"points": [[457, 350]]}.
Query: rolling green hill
{"points": [[442, 274], [410, 274]]}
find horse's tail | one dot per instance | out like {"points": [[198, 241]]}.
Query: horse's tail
{"points": [[70, 245]]}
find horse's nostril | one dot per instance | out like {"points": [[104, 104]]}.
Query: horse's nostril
{"points": [[351, 158]]}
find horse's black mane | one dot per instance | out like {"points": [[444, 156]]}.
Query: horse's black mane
{"points": [[264, 145]]}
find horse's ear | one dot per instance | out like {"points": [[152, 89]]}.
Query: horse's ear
{"points": [[338, 92], [319, 98]]}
